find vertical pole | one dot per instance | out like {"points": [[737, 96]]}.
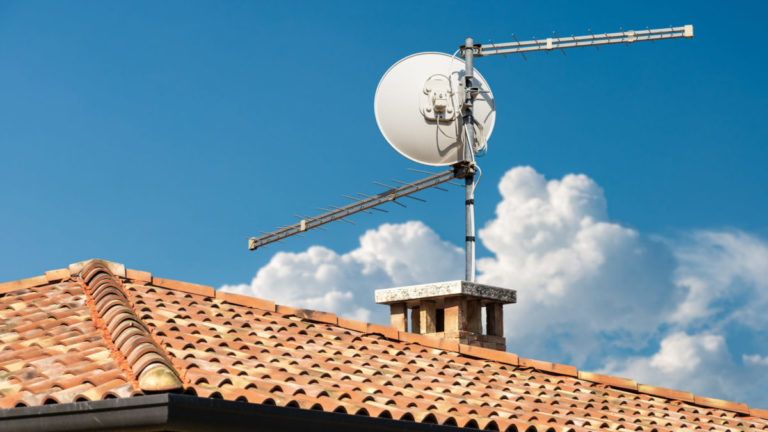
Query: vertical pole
{"points": [[469, 157], [469, 204]]}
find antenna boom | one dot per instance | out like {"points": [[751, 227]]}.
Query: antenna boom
{"points": [[339, 213], [549, 44]]}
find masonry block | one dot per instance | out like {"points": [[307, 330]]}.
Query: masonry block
{"points": [[398, 317], [427, 317]]}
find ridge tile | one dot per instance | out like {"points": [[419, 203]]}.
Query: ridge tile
{"points": [[242, 300], [549, 367], [186, 287], [57, 275], [7, 287], [353, 324], [116, 269], [722, 404], [125, 332], [309, 314], [138, 275], [489, 354], [612, 381], [666, 393], [386, 331]]}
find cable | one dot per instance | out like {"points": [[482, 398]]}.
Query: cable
{"points": [[481, 139], [483, 149], [454, 56], [479, 176]]}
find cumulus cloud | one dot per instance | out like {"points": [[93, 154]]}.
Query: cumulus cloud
{"points": [[701, 364], [319, 278], [725, 274], [698, 363], [584, 283]]}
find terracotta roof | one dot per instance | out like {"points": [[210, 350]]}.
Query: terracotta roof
{"points": [[97, 330]]}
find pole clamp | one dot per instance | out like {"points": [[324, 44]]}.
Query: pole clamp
{"points": [[477, 50], [470, 238], [464, 169]]}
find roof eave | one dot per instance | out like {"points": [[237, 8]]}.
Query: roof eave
{"points": [[178, 412]]}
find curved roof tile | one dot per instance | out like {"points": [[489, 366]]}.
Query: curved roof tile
{"points": [[95, 330]]}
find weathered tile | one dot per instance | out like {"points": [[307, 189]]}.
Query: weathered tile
{"points": [[239, 348]]}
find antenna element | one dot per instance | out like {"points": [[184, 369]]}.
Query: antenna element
{"points": [[360, 205]]}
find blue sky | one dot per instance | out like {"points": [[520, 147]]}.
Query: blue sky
{"points": [[163, 135]]}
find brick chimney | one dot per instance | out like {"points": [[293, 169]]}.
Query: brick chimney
{"points": [[450, 310]]}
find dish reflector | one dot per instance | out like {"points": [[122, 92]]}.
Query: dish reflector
{"points": [[418, 108]]}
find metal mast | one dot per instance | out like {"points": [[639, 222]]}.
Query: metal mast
{"points": [[469, 159]]}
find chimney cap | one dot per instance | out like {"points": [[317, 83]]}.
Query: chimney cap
{"points": [[436, 290]]}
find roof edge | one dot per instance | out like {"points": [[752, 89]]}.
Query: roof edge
{"points": [[143, 277], [169, 411]]}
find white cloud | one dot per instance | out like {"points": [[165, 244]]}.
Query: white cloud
{"points": [[755, 360], [724, 273], [682, 353], [408, 253], [321, 279], [725, 278], [697, 363], [584, 283]]}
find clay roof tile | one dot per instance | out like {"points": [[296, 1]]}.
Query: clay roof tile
{"points": [[144, 333]]}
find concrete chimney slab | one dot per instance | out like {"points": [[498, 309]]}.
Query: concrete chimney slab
{"points": [[437, 290]]}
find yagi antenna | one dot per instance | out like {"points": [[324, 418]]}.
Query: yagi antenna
{"points": [[436, 109], [359, 205]]}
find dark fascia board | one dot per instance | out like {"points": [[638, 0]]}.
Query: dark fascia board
{"points": [[137, 413], [177, 412]]}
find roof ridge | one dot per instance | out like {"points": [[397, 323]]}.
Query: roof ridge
{"points": [[147, 360], [388, 332]]}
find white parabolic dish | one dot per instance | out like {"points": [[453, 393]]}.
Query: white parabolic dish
{"points": [[404, 121]]}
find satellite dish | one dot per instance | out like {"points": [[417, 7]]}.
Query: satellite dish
{"points": [[418, 108]]}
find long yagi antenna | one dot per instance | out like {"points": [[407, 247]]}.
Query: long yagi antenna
{"points": [[361, 205], [548, 44]]}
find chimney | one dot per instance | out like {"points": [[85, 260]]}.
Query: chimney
{"points": [[450, 310]]}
